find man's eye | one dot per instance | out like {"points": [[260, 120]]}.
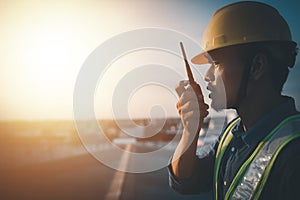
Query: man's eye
{"points": [[216, 64]]}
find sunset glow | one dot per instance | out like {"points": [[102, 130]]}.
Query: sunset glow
{"points": [[45, 43]]}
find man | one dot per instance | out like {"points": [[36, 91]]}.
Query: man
{"points": [[250, 49]]}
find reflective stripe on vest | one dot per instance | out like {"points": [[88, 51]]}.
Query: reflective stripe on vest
{"points": [[250, 179], [225, 139]]}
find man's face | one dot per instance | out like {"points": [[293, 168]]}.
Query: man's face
{"points": [[224, 77]]}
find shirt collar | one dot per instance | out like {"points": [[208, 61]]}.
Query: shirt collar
{"points": [[266, 124]]}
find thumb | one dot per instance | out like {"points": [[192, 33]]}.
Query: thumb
{"points": [[180, 87]]}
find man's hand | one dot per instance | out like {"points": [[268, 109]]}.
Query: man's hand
{"points": [[191, 106], [192, 110]]}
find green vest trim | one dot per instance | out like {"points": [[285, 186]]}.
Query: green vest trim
{"points": [[269, 167], [220, 152], [225, 140]]}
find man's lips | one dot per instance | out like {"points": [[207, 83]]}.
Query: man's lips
{"points": [[210, 88]]}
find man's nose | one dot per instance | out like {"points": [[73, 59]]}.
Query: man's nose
{"points": [[209, 75]]}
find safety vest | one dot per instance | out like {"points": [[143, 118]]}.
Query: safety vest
{"points": [[253, 174]]}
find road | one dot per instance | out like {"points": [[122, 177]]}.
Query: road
{"points": [[84, 177]]}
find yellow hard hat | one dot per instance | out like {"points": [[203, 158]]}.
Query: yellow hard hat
{"points": [[241, 23]]}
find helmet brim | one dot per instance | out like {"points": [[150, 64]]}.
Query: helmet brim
{"points": [[202, 58]]}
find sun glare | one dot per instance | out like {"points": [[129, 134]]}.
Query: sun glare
{"points": [[45, 43]]}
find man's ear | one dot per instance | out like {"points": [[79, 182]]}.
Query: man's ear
{"points": [[259, 66]]}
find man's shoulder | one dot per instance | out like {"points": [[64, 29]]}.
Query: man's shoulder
{"points": [[289, 155], [283, 180], [291, 150]]}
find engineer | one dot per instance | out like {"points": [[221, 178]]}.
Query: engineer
{"points": [[250, 50]]}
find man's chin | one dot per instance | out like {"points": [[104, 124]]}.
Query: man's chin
{"points": [[217, 106]]}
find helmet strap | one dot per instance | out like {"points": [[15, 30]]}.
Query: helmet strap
{"points": [[242, 92]]}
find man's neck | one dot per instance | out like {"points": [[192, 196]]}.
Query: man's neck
{"points": [[256, 108]]}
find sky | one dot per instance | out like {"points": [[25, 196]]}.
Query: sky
{"points": [[45, 43]]}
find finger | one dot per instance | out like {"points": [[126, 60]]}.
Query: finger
{"points": [[193, 101], [187, 95], [201, 109], [203, 106], [204, 114], [177, 105], [191, 114], [180, 87]]}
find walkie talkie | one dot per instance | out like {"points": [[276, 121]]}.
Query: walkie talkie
{"points": [[192, 83], [196, 87]]}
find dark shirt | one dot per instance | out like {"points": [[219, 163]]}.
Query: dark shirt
{"points": [[282, 181]]}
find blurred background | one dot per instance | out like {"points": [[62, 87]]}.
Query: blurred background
{"points": [[43, 46]]}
